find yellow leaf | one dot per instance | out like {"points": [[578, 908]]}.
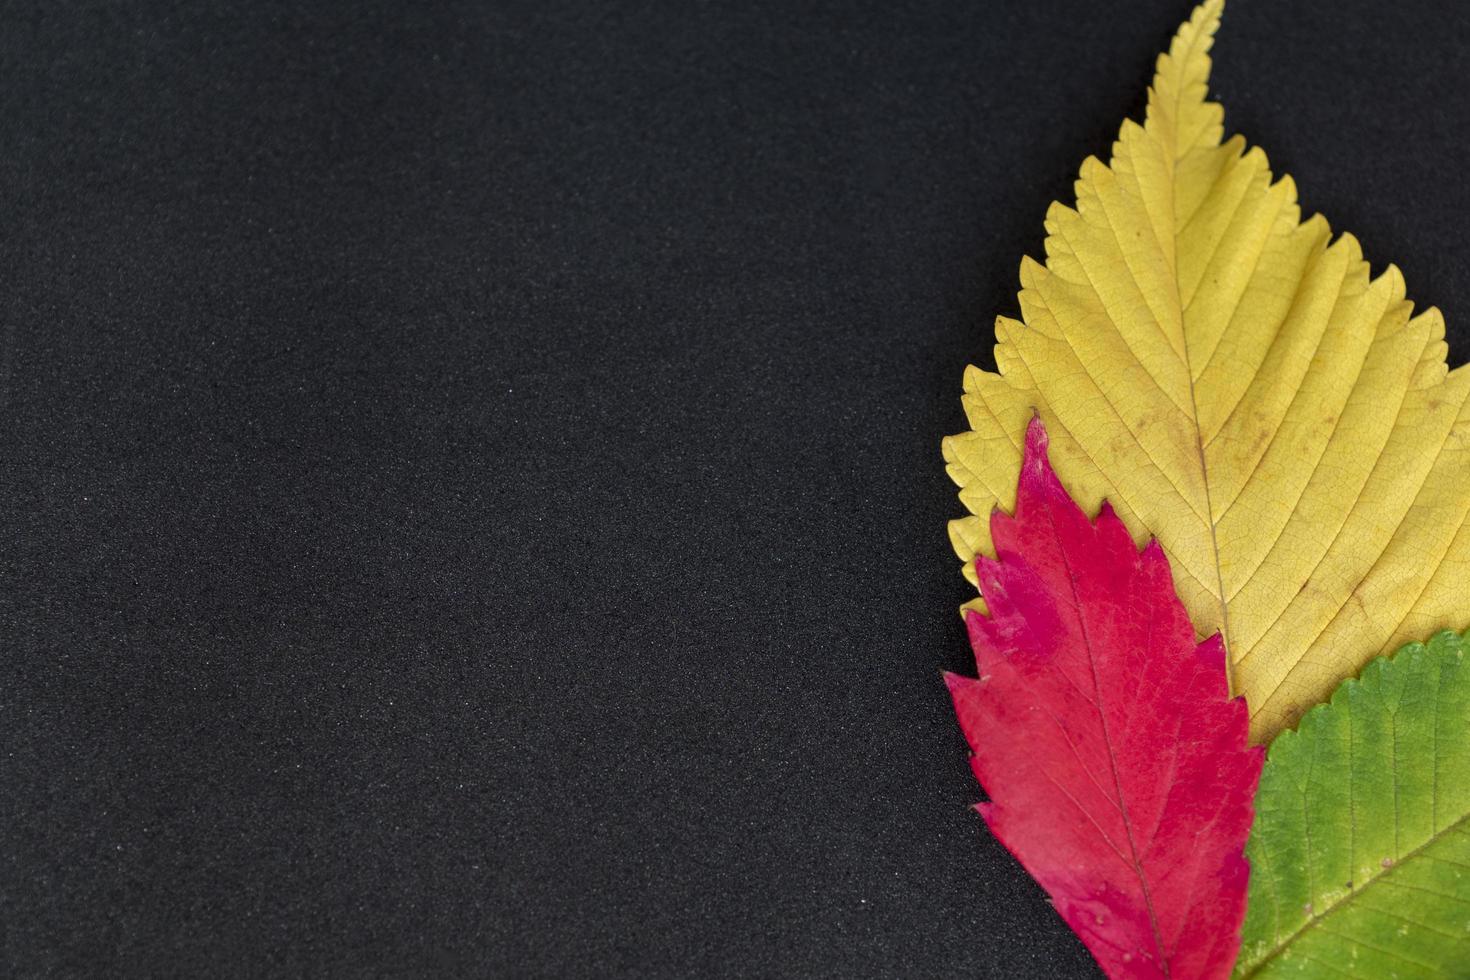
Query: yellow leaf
{"points": [[1239, 387]]}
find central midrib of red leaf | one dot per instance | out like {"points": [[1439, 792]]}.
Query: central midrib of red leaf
{"points": [[1136, 864]]}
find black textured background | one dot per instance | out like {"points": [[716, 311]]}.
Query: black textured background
{"points": [[470, 496]]}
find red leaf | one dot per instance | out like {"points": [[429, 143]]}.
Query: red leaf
{"points": [[1114, 758]]}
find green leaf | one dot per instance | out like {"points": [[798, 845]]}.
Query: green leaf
{"points": [[1360, 853]]}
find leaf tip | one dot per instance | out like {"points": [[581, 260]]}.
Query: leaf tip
{"points": [[1211, 651], [1206, 17], [1036, 439]]}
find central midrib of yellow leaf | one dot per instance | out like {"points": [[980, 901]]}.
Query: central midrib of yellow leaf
{"points": [[1237, 385], [1196, 43]]}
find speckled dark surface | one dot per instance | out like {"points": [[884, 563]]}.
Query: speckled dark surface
{"points": [[470, 497]]}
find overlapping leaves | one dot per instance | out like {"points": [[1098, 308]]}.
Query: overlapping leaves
{"points": [[1233, 381], [1237, 386]]}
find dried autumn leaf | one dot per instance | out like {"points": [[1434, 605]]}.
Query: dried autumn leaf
{"points": [[1360, 856], [1238, 387], [1116, 763]]}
